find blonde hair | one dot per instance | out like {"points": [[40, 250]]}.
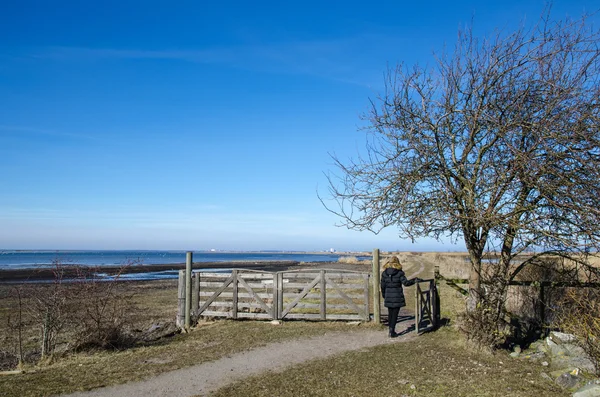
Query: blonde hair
{"points": [[394, 263]]}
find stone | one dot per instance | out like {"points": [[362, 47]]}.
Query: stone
{"points": [[514, 354], [583, 363], [276, 322], [546, 376], [561, 337], [567, 381], [535, 357], [517, 349], [353, 323], [591, 390], [158, 331]]}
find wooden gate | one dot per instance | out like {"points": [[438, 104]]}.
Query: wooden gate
{"points": [[300, 294], [323, 295], [427, 305], [239, 294]]}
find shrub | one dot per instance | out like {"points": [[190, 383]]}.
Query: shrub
{"points": [[101, 316], [579, 314]]}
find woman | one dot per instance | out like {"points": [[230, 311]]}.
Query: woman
{"points": [[392, 280]]}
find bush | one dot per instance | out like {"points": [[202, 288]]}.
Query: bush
{"points": [[101, 317], [579, 314], [480, 326]]}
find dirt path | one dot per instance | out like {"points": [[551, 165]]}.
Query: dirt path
{"points": [[203, 378]]}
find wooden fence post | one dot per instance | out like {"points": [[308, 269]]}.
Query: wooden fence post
{"points": [[188, 289], [376, 286], [181, 300]]}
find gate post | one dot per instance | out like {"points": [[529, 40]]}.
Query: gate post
{"points": [[188, 289], [376, 287], [181, 300]]}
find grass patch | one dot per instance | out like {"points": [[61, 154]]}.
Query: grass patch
{"points": [[208, 342], [435, 364]]}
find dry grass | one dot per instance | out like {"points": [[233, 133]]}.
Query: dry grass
{"points": [[436, 364], [208, 342]]}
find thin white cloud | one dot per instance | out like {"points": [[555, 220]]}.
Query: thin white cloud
{"points": [[11, 129], [356, 60]]}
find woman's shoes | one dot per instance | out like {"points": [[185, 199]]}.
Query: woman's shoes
{"points": [[393, 334]]}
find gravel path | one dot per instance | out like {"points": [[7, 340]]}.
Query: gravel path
{"points": [[207, 377], [204, 378]]}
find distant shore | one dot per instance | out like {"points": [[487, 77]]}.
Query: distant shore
{"points": [[70, 272]]}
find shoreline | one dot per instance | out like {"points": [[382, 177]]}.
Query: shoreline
{"points": [[10, 276]]}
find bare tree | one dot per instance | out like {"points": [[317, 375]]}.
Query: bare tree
{"points": [[497, 143]]}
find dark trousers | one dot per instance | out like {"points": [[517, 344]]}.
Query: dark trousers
{"points": [[393, 317]]}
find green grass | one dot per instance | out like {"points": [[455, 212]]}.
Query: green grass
{"points": [[435, 364]]}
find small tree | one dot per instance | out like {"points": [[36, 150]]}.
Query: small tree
{"points": [[497, 143]]}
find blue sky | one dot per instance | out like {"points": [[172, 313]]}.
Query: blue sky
{"points": [[199, 125]]}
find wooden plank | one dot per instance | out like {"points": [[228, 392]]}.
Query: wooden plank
{"points": [[258, 298], [302, 316], [279, 295], [212, 284], [315, 295], [357, 286], [310, 275], [275, 304], [216, 294], [417, 307], [367, 315], [234, 303], [343, 295], [317, 306], [241, 305], [323, 298], [302, 295], [214, 275], [196, 296], [180, 319], [229, 294]]}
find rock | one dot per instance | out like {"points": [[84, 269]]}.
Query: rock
{"points": [[514, 354], [546, 377], [517, 349], [276, 322], [557, 373], [545, 363], [353, 323], [591, 390], [561, 337], [581, 362], [567, 381], [535, 357], [158, 331]]}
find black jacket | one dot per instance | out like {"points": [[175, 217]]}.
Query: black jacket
{"points": [[391, 287]]}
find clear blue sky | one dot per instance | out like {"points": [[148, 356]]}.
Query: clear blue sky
{"points": [[199, 125]]}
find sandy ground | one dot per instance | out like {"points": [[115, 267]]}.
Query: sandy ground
{"points": [[208, 377]]}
